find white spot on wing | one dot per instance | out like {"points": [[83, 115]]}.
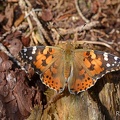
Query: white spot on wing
{"points": [[25, 49], [34, 50], [107, 72], [115, 58], [113, 64], [24, 54], [112, 70], [105, 56], [108, 65], [30, 58]]}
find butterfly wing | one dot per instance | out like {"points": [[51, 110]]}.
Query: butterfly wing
{"points": [[88, 66], [48, 62]]}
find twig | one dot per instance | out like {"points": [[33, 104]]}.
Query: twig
{"points": [[41, 30], [28, 12], [56, 35], [102, 33], [2, 48], [29, 23], [95, 42], [107, 42], [118, 9], [58, 5], [79, 12], [12, 0], [88, 26], [4, 35], [24, 26]]}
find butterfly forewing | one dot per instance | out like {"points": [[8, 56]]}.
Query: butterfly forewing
{"points": [[109, 62], [30, 54], [99, 63]]}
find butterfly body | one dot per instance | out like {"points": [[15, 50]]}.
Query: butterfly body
{"points": [[68, 52], [63, 65]]}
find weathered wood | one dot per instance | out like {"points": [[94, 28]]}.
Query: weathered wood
{"points": [[101, 102]]}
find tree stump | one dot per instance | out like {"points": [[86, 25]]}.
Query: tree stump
{"points": [[101, 102]]}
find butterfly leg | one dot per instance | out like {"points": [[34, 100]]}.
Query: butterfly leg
{"points": [[54, 98], [57, 96]]}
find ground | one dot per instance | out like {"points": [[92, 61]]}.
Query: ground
{"points": [[96, 24]]}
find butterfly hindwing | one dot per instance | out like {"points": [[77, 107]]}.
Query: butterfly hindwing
{"points": [[53, 77]]}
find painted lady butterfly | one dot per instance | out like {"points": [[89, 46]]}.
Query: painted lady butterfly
{"points": [[64, 65]]}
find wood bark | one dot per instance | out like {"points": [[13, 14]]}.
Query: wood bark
{"points": [[101, 102]]}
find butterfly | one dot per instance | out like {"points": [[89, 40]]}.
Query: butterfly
{"points": [[65, 65]]}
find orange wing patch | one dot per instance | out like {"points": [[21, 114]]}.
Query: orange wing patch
{"points": [[93, 63], [39, 61], [82, 84], [54, 83], [43, 58]]}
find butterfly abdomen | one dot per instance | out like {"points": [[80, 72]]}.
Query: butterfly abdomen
{"points": [[68, 56], [67, 69]]}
